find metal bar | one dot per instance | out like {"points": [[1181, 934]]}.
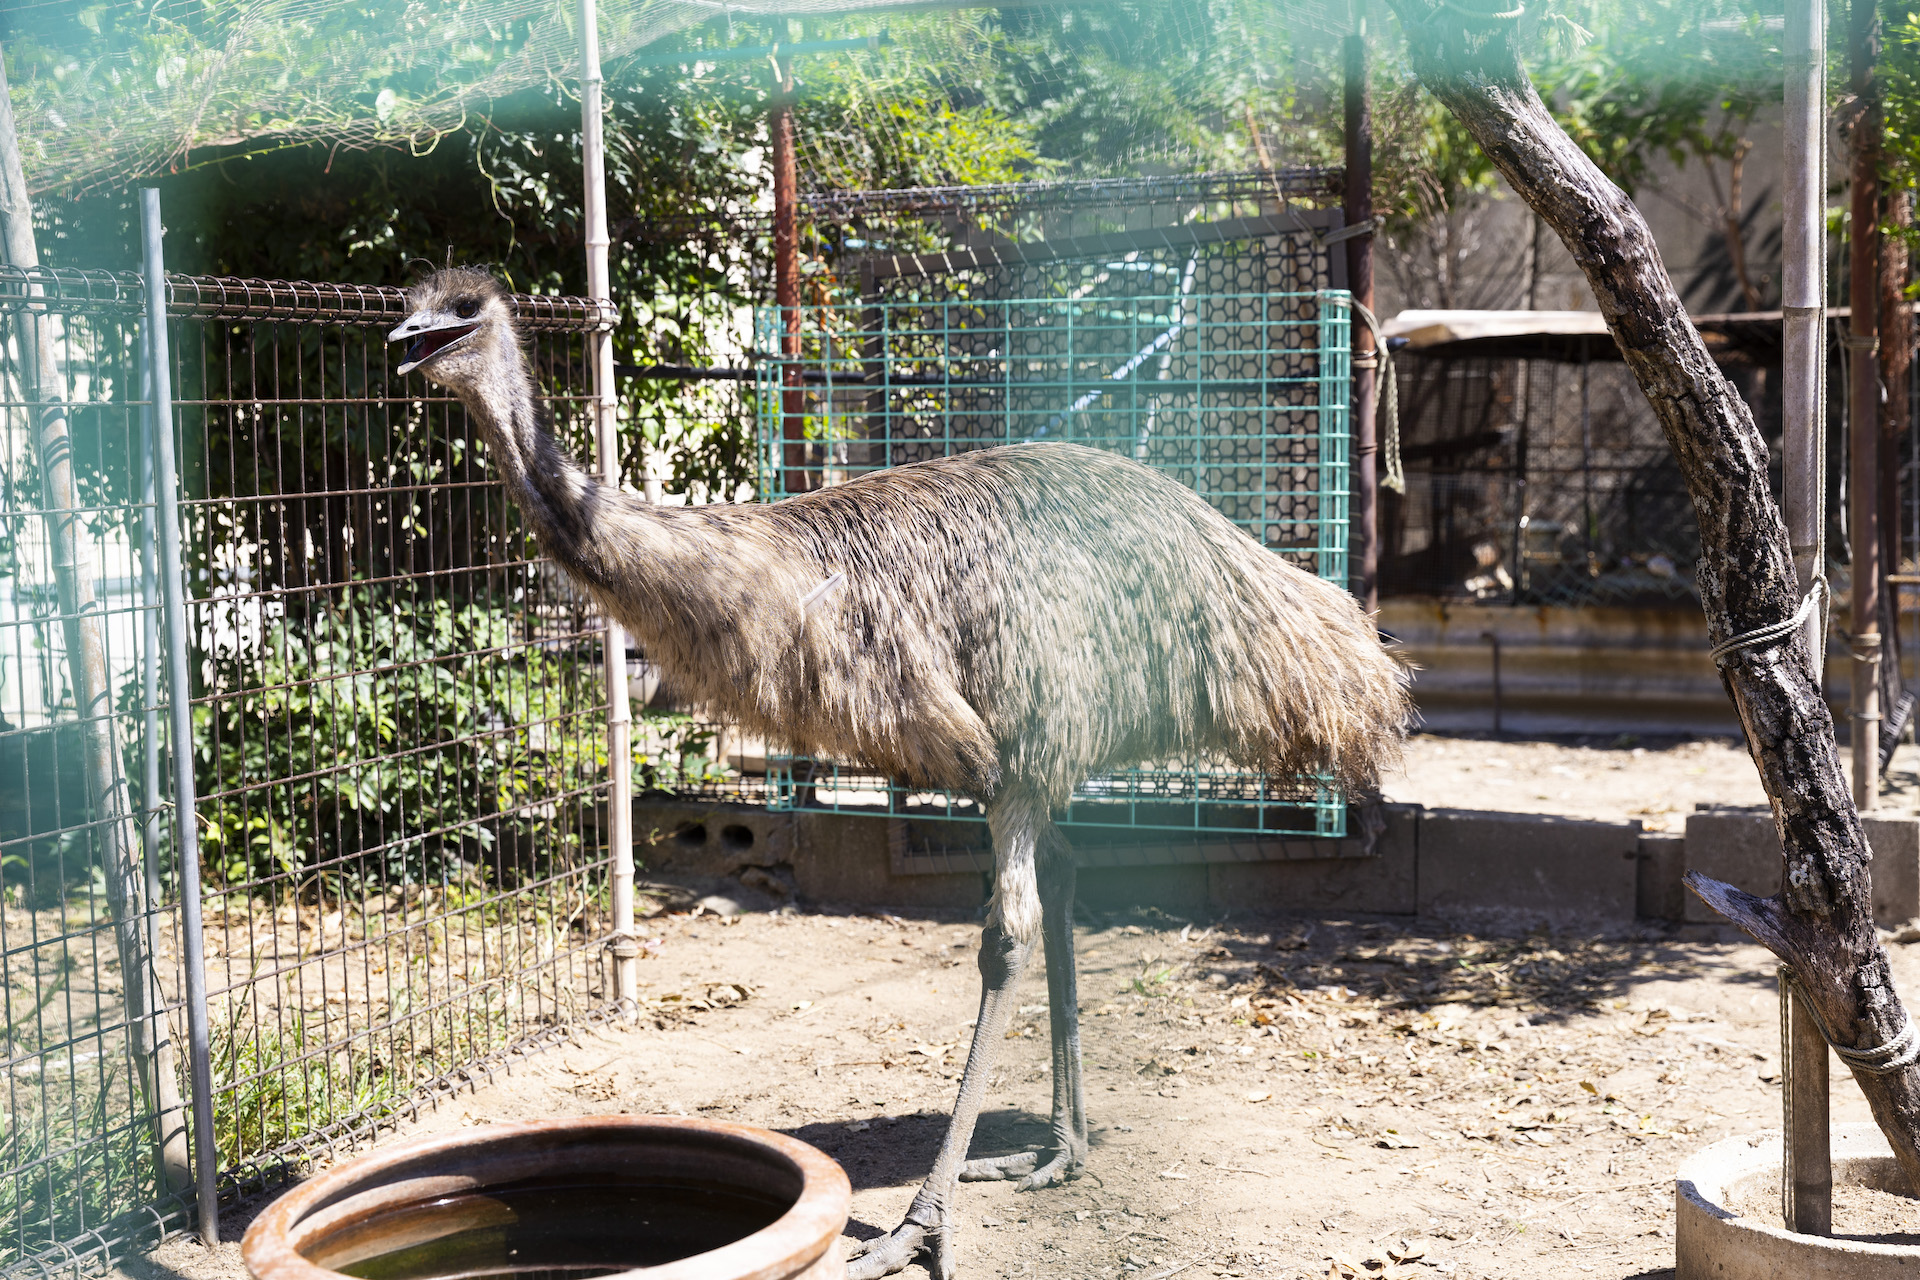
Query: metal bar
{"points": [[88, 669], [1358, 211], [801, 49], [1806, 1184], [1863, 412], [186, 831], [606, 432], [786, 276], [1802, 300]]}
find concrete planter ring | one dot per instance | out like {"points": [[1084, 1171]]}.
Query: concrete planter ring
{"points": [[1711, 1242], [651, 1197]]}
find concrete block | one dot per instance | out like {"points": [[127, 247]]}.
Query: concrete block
{"points": [[1511, 871], [1735, 845], [700, 838], [1741, 847], [1181, 890], [1383, 883], [1658, 893], [1896, 869], [847, 858]]}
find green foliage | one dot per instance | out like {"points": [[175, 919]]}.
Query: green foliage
{"points": [[416, 729], [74, 1162]]}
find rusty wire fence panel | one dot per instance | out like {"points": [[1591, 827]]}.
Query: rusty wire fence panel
{"points": [[399, 747]]}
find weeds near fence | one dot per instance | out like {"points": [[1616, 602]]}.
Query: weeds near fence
{"points": [[71, 1169]]}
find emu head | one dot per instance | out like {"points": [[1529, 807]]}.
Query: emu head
{"points": [[460, 319]]}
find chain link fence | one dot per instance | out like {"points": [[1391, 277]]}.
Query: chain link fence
{"points": [[397, 741]]}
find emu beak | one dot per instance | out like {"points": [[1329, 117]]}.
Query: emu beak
{"points": [[431, 335]]}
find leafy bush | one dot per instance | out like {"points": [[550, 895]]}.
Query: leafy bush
{"points": [[387, 731]]}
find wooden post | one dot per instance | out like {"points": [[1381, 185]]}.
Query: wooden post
{"points": [[786, 278], [1806, 1184], [1863, 402], [1359, 209]]}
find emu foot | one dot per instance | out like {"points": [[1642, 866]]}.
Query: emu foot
{"points": [[908, 1243], [1064, 1167]]}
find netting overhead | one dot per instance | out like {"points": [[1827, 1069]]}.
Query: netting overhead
{"points": [[109, 93]]}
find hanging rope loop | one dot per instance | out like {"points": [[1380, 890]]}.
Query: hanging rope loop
{"points": [[1386, 408]]}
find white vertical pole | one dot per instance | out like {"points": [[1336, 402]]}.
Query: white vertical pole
{"points": [[593, 162], [1803, 303]]}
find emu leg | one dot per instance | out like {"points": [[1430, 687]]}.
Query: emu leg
{"points": [[1063, 1001], [926, 1235]]}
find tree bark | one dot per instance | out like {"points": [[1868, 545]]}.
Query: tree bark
{"points": [[1821, 921]]}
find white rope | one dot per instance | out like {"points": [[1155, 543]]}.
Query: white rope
{"points": [[1816, 594]]}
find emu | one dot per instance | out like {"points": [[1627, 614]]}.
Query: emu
{"points": [[1002, 623]]}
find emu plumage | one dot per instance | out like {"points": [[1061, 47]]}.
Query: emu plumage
{"points": [[1003, 623]]}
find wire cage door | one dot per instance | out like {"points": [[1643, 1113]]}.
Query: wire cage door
{"points": [[1241, 397]]}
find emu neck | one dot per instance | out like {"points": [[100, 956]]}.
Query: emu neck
{"points": [[565, 505]]}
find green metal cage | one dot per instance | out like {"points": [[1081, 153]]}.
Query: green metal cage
{"points": [[1241, 397]]}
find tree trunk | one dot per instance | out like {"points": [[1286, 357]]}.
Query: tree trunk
{"points": [[1821, 921]]}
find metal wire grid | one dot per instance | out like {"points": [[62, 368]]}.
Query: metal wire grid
{"points": [[1534, 481], [1243, 397], [399, 742]]}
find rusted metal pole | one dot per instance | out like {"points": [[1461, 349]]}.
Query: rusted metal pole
{"points": [[786, 277], [621, 942], [1358, 207], [1863, 402]]}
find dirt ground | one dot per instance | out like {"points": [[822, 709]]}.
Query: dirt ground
{"points": [[1615, 778], [1270, 1096]]}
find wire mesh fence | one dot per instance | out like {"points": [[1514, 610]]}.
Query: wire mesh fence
{"points": [[1240, 396], [1545, 481], [398, 742]]}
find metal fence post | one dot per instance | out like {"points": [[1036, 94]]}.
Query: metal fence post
{"points": [[45, 392], [186, 833], [606, 433]]}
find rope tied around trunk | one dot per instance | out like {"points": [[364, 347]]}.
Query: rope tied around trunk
{"points": [[1896, 1054], [1816, 595]]}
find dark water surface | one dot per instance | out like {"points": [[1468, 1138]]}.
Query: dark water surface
{"points": [[553, 1228]]}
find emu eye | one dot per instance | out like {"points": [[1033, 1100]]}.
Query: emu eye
{"points": [[466, 308]]}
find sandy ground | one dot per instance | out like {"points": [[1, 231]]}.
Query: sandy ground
{"points": [[1269, 1097], [1657, 780]]}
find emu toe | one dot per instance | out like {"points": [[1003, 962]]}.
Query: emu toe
{"points": [[908, 1243]]}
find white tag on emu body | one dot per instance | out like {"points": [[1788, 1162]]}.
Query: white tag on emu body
{"points": [[820, 592]]}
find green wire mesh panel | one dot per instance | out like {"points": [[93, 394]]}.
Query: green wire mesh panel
{"points": [[1242, 397]]}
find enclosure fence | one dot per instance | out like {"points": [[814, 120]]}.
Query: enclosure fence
{"points": [[1242, 397], [394, 726]]}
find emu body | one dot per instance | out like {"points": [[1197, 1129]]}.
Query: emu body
{"points": [[1003, 623]]}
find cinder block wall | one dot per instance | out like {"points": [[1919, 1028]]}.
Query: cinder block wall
{"points": [[1481, 870]]}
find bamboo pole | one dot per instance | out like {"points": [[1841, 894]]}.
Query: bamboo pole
{"points": [[606, 434], [1803, 304], [80, 612]]}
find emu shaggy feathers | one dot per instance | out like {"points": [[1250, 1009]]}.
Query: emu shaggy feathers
{"points": [[1022, 616]]}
